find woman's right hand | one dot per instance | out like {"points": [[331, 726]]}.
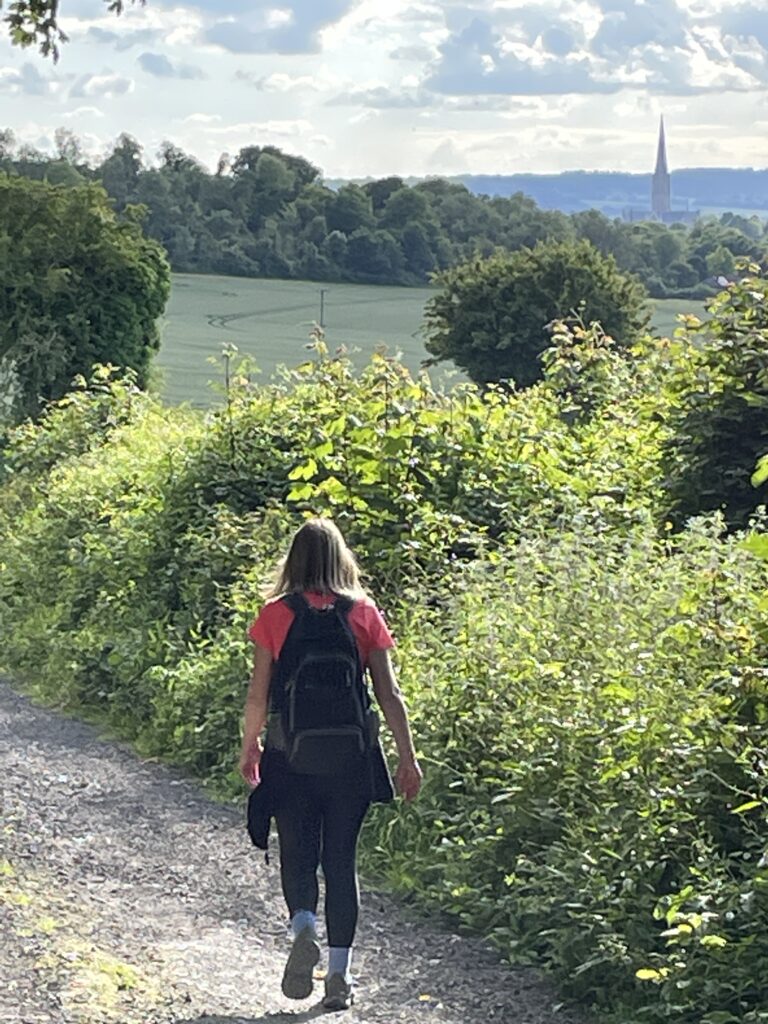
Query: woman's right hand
{"points": [[408, 778], [250, 761]]}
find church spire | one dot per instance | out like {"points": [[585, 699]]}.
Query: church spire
{"points": [[661, 153], [660, 188]]}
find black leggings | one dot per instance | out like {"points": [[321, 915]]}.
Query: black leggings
{"points": [[318, 821]]}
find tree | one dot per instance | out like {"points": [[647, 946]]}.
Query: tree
{"points": [[419, 258], [351, 210], [7, 143], [302, 172], [403, 207], [68, 146], [80, 287], [720, 261], [264, 184], [381, 190], [119, 173], [491, 316], [61, 172], [335, 249], [374, 257]]}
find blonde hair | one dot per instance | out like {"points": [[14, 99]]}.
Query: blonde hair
{"points": [[319, 559]]}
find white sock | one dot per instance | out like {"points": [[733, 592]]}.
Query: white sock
{"points": [[339, 961]]}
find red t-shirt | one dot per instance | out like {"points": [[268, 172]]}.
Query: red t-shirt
{"points": [[365, 620]]}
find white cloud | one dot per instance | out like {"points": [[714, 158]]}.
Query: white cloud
{"points": [[106, 84], [294, 26], [253, 129], [381, 97], [122, 40], [417, 53], [279, 81], [160, 66], [746, 21], [82, 112], [476, 60], [447, 158], [534, 49], [202, 119], [26, 80]]}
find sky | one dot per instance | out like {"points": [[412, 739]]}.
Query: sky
{"points": [[368, 88]]}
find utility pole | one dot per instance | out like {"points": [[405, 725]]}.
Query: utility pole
{"points": [[322, 307]]}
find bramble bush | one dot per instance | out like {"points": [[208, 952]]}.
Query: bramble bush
{"points": [[591, 710], [587, 686], [718, 409]]}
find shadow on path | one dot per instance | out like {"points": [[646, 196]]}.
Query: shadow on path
{"points": [[284, 1017]]}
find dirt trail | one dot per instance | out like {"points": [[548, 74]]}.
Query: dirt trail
{"points": [[129, 897]]}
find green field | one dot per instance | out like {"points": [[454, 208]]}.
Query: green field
{"points": [[667, 311], [272, 320]]}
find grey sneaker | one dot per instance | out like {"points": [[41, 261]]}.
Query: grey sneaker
{"points": [[297, 976], [338, 993]]}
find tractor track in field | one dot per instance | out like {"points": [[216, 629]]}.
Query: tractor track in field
{"points": [[223, 320]]}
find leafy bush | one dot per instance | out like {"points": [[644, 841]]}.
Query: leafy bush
{"points": [[591, 709], [719, 397]]}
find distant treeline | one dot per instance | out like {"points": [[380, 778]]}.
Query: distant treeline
{"points": [[265, 213]]}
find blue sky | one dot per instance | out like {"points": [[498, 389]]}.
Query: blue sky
{"points": [[376, 87]]}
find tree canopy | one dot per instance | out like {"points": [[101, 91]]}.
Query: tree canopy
{"points": [[81, 286], [491, 316]]}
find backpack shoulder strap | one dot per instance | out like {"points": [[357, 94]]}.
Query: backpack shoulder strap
{"points": [[296, 602]]}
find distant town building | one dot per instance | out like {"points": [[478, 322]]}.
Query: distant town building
{"points": [[661, 192]]}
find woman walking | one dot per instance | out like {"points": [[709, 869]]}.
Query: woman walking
{"points": [[321, 759]]}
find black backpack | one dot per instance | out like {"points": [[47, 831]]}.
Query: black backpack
{"points": [[320, 709]]}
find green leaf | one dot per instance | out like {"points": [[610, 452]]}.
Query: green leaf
{"points": [[323, 450], [617, 690], [750, 805], [334, 488], [756, 544], [301, 493], [648, 974], [305, 471]]}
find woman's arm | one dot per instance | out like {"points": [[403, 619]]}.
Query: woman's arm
{"points": [[390, 699], [255, 716]]}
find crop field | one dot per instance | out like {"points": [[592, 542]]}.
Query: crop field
{"points": [[272, 320], [666, 312]]}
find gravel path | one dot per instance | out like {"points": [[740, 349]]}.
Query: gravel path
{"points": [[127, 896]]}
